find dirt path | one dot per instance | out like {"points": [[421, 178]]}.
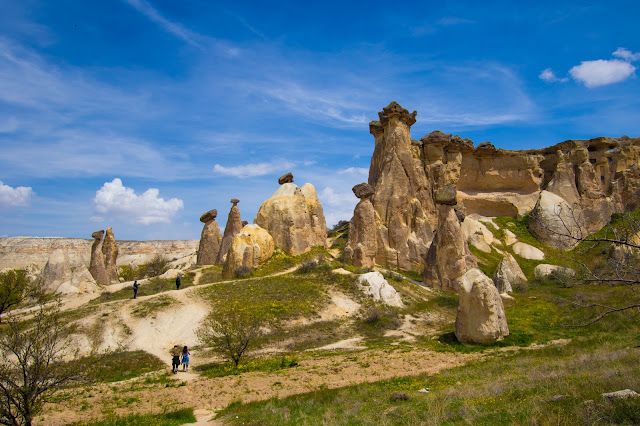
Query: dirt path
{"points": [[207, 395]]}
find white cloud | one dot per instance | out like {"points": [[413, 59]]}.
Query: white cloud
{"points": [[602, 72], [626, 54], [549, 76], [251, 170], [355, 171], [14, 197], [116, 200], [337, 205]]}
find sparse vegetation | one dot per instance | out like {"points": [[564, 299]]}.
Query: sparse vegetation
{"points": [[269, 364], [172, 418], [118, 366], [14, 287]]}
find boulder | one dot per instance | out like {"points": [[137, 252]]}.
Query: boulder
{"points": [[477, 234], [250, 248], [294, 218], [481, 317], [81, 282], [621, 394], [362, 245], [508, 273], [509, 238], [555, 222], [96, 266], [446, 195], [448, 258], [110, 254], [527, 251], [233, 227], [374, 284], [56, 271], [286, 178], [544, 270], [210, 239], [171, 274]]}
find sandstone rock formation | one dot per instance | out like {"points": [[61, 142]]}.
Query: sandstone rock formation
{"points": [[362, 245], [250, 248], [477, 234], [556, 223], [527, 251], [81, 281], [481, 317], [110, 253], [593, 177], [96, 266], [233, 227], [374, 284], [508, 273], [544, 270], [448, 258], [294, 218], [210, 239], [56, 271]]}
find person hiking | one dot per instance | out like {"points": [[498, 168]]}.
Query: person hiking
{"points": [[175, 362], [185, 358], [178, 283], [135, 289]]}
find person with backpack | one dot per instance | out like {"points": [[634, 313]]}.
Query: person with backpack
{"points": [[178, 282], [175, 362], [135, 289]]}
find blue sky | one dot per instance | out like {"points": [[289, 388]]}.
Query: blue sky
{"points": [[144, 114]]}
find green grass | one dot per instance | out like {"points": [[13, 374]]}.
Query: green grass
{"points": [[149, 307], [173, 418], [152, 286], [488, 262], [229, 369], [211, 274], [118, 366], [512, 387]]}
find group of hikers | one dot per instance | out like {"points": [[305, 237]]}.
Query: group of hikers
{"points": [[180, 357], [136, 285]]}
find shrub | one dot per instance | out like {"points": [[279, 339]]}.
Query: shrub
{"points": [[157, 266], [242, 271]]}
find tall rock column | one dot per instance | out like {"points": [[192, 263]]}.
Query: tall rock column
{"points": [[449, 257], [110, 253], [233, 227], [210, 239], [362, 244], [96, 267], [402, 198]]}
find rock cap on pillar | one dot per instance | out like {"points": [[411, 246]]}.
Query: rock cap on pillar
{"points": [[234, 201], [363, 190], [98, 234], [446, 195], [394, 110], [210, 215], [286, 178]]}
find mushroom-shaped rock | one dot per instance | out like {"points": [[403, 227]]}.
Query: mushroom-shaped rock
{"points": [[374, 284], [250, 248], [208, 216], [210, 239], [110, 253], [286, 178], [56, 271], [507, 274], [362, 244], [363, 190], [481, 317], [234, 225], [294, 218], [96, 265]]}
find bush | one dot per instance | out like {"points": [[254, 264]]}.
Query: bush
{"points": [[157, 266], [242, 271]]}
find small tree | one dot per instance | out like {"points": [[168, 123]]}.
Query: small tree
{"points": [[32, 368], [231, 331], [14, 287], [157, 266]]}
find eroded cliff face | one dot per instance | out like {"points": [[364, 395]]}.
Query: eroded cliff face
{"points": [[593, 178]]}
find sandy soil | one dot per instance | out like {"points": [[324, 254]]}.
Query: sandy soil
{"points": [[206, 395]]}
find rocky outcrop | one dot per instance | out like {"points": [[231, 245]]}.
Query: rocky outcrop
{"points": [[544, 270], [374, 285], [21, 252], [402, 199], [481, 317], [362, 244], [96, 266], [556, 223], [528, 251], [508, 273], [81, 282], [250, 248], [55, 272], [294, 218], [110, 253], [233, 227], [210, 239], [448, 258], [286, 178]]}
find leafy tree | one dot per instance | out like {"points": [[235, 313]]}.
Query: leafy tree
{"points": [[157, 266], [31, 367], [14, 287], [232, 331]]}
